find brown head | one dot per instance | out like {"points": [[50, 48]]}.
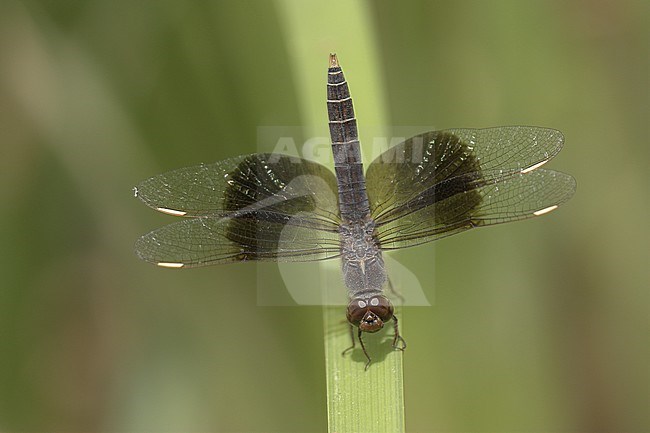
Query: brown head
{"points": [[370, 314]]}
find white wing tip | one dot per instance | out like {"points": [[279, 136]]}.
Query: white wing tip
{"points": [[170, 265], [533, 167], [545, 210], [171, 211]]}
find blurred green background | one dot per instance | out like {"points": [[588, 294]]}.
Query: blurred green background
{"points": [[537, 326]]}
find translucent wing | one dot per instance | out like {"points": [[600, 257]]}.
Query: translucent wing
{"points": [[511, 148], [425, 160], [442, 182], [212, 240], [256, 207], [474, 200], [271, 185]]}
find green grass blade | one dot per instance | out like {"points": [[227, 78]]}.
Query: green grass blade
{"points": [[362, 400], [358, 400]]}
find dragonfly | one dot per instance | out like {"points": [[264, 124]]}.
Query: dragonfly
{"points": [[283, 208]]}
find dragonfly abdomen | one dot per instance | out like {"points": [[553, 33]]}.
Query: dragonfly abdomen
{"points": [[353, 199]]}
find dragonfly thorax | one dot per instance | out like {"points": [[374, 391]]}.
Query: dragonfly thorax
{"points": [[358, 240], [362, 263]]}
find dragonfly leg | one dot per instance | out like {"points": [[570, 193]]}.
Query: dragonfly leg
{"points": [[353, 342], [398, 338], [363, 346], [365, 352], [395, 292]]}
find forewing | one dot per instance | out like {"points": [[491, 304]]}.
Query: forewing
{"points": [[417, 164], [213, 240], [511, 148], [272, 186], [473, 200]]}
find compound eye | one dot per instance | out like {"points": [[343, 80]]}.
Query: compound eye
{"points": [[356, 310], [382, 307]]}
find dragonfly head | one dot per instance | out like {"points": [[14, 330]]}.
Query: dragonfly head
{"points": [[370, 314]]}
